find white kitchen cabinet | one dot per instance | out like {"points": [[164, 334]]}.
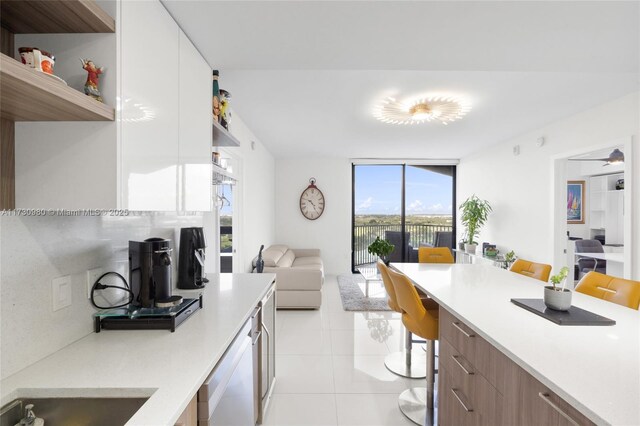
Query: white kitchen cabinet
{"points": [[156, 156], [195, 137], [614, 218], [150, 107]]}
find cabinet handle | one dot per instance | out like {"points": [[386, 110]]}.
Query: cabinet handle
{"points": [[545, 398], [455, 324], [266, 331], [455, 393], [455, 358]]}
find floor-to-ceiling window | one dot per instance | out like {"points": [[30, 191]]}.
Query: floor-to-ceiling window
{"points": [[408, 205]]}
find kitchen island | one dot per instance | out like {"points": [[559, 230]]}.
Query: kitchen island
{"points": [[592, 372], [166, 367]]}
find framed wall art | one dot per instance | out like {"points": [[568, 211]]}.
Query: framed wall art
{"points": [[575, 201]]}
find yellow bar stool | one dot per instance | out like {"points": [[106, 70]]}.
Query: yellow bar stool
{"points": [[418, 403], [406, 363], [435, 255], [612, 289], [539, 271]]}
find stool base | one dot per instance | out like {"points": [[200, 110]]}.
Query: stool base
{"points": [[397, 364], [413, 404]]}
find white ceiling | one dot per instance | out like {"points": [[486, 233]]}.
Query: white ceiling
{"points": [[304, 75]]}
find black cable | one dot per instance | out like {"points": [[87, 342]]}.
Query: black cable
{"points": [[98, 286]]}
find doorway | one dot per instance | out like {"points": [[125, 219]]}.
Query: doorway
{"points": [[592, 210], [408, 205]]}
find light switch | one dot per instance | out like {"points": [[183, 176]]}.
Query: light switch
{"points": [[61, 292]]}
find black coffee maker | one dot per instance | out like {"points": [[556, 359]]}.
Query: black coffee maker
{"points": [[150, 273], [191, 263]]}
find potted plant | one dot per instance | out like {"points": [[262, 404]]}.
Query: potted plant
{"points": [[555, 296], [474, 215], [509, 258], [382, 249]]}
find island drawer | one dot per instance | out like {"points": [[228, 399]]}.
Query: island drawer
{"points": [[530, 403], [467, 401], [478, 353]]}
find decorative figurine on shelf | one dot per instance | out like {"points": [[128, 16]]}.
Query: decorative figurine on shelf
{"points": [[215, 102], [225, 113], [93, 73]]}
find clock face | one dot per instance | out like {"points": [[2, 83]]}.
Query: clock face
{"points": [[312, 203]]}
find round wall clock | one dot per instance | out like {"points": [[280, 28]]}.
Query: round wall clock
{"points": [[312, 201]]}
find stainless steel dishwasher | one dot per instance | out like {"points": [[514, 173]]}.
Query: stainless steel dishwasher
{"points": [[226, 398]]}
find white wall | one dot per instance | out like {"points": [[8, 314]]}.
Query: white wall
{"points": [[258, 196], [35, 250], [331, 232], [520, 188]]}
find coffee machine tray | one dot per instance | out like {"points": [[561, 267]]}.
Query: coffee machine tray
{"points": [[136, 318]]}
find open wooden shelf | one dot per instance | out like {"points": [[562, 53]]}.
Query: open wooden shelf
{"points": [[30, 95], [55, 16], [222, 137]]}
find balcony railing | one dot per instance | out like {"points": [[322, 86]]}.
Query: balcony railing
{"points": [[366, 234]]}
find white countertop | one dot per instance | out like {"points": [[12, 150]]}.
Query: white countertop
{"points": [[614, 257], [595, 369], [168, 367]]}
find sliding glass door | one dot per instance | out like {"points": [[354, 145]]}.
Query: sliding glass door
{"points": [[408, 205]]}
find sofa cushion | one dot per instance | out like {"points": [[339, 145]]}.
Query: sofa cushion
{"points": [[305, 261], [272, 255], [287, 259]]}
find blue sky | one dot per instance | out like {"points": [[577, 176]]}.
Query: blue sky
{"points": [[378, 191]]}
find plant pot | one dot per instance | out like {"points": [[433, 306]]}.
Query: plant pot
{"points": [[461, 245], [559, 300], [470, 248], [385, 260]]}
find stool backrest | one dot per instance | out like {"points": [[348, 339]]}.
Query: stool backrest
{"points": [[539, 271], [388, 285], [435, 255], [612, 289]]}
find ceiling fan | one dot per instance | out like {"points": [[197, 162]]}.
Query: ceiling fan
{"points": [[616, 157]]}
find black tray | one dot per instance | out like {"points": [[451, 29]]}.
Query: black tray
{"points": [[159, 319], [574, 316]]}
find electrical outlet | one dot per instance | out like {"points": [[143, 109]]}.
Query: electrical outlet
{"points": [[92, 276], [61, 292]]}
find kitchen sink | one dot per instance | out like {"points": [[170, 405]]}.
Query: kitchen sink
{"points": [[73, 411]]}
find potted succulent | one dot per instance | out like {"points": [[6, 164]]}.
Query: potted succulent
{"points": [[382, 249], [474, 215], [555, 296]]}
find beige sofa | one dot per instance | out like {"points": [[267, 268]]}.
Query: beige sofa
{"points": [[299, 276]]}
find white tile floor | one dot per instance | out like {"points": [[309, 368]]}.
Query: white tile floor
{"points": [[330, 366]]}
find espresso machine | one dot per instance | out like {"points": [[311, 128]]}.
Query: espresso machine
{"points": [[150, 273], [153, 306], [191, 262]]}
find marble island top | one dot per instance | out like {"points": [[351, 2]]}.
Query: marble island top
{"points": [[166, 367], [595, 369]]}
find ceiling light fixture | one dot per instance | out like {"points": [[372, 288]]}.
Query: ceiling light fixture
{"points": [[442, 108]]}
